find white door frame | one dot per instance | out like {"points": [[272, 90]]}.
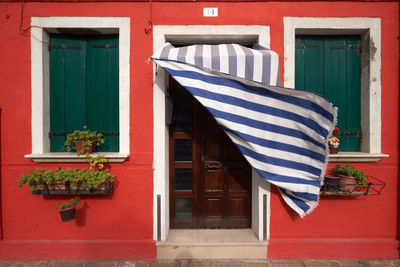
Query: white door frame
{"points": [[161, 149]]}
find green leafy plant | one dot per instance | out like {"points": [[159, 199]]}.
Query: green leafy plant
{"points": [[67, 205], [82, 178], [35, 178], [96, 163], [351, 171], [85, 179], [87, 137]]}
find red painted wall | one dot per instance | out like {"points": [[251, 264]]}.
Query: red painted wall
{"points": [[121, 226]]}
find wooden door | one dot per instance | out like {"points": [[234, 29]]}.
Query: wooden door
{"points": [[210, 180], [224, 178]]}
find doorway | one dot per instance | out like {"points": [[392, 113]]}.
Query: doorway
{"points": [[190, 34], [210, 180]]}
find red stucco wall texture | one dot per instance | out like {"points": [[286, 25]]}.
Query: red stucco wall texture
{"points": [[120, 226]]}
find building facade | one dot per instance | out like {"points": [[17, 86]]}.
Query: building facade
{"points": [[347, 51]]}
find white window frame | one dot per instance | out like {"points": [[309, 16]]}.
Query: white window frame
{"points": [[41, 27], [370, 31]]}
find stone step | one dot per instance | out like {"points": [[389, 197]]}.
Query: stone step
{"points": [[211, 244]]}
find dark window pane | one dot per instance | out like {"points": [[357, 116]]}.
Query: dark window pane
{"points": [[183, 208], [183, 121], [183, 179], [183, 150]]}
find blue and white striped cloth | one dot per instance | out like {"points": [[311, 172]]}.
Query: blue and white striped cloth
{"points": [[283, 133]]}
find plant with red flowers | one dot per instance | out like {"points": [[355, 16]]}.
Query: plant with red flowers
{"points": [[334, 141], [336, 132]]}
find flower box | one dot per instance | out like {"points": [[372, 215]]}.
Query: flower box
{"points": [[339, 185], [103, 188]]}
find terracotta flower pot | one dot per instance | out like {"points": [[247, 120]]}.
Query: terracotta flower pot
{"points": [[79, 147], [67, 214], [347, 183], [333, 150]]}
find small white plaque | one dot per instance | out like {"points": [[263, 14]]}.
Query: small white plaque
{"points": [[210, 12]]}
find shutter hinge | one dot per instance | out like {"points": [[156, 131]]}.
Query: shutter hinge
{"points": [[51, 134], [105, 46], [347, 47], [303, 47], [359, 134], [64, 47]]}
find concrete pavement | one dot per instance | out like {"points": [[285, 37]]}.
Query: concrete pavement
{"points": [[208, 263]]}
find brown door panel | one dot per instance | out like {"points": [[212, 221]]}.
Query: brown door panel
{"points": [[221, 181]]}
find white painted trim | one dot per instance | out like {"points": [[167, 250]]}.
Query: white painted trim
{"points": [[161, 172], [356, 157], [40, 27], [67, 157], [370, 31], [260, 187]]}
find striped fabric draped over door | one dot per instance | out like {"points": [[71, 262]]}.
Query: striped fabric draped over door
{"points": [[283, 133]]}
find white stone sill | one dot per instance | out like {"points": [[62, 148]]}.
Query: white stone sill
{"points": [[356, 157], [72, 157]]}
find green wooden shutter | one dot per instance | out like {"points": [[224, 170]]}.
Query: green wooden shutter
{"points": [[67, 88], [330, 66], [309, 64], [102, 89], [84, 88], [353, 80]]}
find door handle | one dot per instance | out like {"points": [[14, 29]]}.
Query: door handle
{"points": [[212, 165]]}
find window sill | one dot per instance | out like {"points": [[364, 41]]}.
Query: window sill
{"points": [[356, 157], [72, 157]]}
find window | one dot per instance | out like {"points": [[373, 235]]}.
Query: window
{"points": [[369, 30], [42, 28], [84, 88], [330, 66]]}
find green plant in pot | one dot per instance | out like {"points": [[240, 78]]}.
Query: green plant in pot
{"points": [[349, 177], [334, 141], [96, 177], [84, 142], [67, 209], [36, 179]]}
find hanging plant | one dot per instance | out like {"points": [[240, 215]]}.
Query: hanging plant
{"points": [[67, 209]]}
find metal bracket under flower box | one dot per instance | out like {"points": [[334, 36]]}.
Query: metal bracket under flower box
{"points": [[66, 190], [374, 186]]}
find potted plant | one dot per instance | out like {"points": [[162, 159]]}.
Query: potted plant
{"points": [[67, 181], [349, 177], [37, 179], [84, 142], [334, 141], [67, 209]]}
